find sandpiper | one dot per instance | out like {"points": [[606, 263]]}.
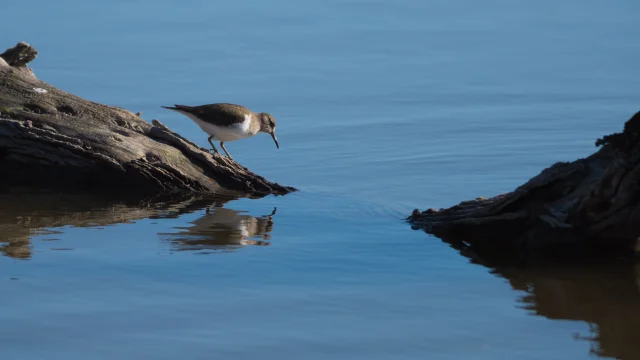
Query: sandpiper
{"points": [[228, 122]]}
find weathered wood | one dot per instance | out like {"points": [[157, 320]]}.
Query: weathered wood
{"points": [[50, 137], [19, 55], [588, 206]]}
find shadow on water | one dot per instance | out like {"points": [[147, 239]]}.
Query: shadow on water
{"points": [[25, 213]]}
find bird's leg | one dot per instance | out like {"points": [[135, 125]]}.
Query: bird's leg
{"points": [[212, 146], [225, 150]]}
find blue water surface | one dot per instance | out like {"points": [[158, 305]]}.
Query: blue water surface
{"points": [[382, 107]]}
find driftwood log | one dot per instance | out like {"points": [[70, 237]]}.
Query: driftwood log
{"points": [[587, 207], [53, 138]]}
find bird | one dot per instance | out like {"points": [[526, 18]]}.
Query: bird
{"points": [[228, 122]]}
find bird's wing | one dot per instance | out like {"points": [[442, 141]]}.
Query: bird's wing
{"points": [[220, 114]]}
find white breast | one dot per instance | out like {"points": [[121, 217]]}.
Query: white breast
{"points": [[225, 133]]}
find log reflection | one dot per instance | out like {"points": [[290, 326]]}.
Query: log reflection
{"points": [[603, 293], [606, 296], [25, 214]]}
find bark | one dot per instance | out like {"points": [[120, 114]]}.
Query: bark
{"points": [[586, 207], [53, 138]]}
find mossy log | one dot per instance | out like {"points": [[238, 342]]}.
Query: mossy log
{"points": [[53, 138], [587, 207]]}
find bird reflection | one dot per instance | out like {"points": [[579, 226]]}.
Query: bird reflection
{"points": [[223, 229]]}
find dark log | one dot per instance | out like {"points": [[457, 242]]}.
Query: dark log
{"points": [[588, 207], [53, 138]]}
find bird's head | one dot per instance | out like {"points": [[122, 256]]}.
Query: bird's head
{"points": [[268, 125]]}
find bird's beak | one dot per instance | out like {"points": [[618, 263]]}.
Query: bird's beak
{"points": [[273, 135]]}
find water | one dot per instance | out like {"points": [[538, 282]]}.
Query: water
{"points": [[382, 107]]}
